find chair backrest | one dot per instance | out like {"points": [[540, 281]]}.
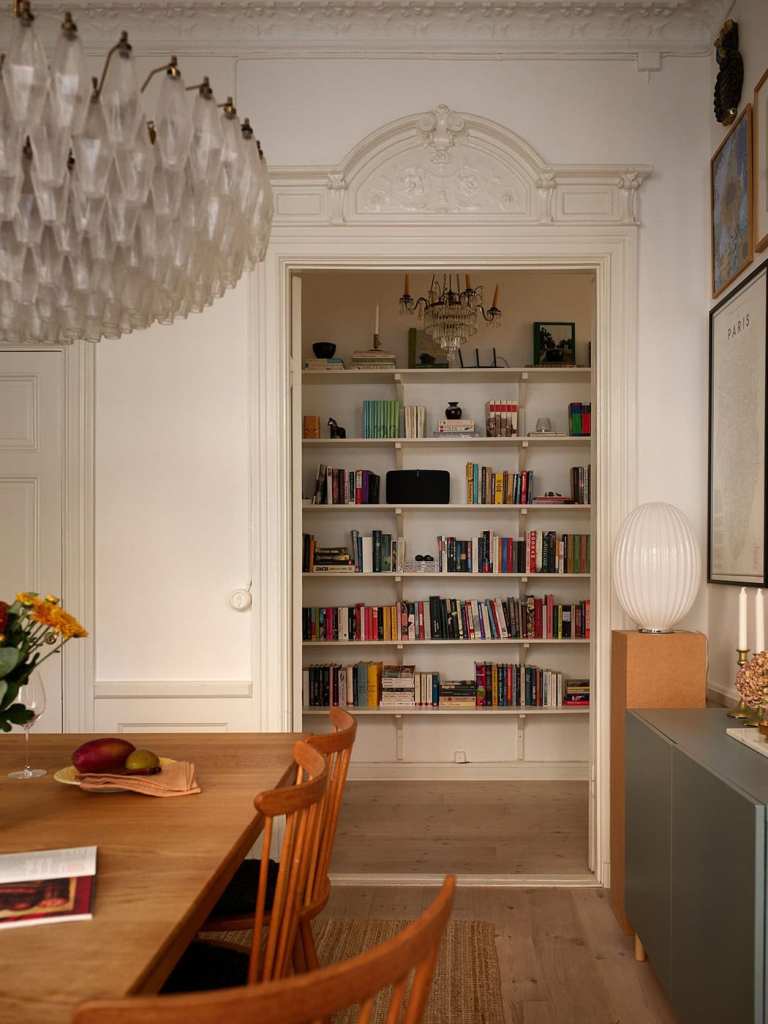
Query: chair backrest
{"points": [[406, 963], [336, 747], [302, 806]]}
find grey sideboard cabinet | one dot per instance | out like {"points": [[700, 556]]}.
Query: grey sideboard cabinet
{"points": [[696, 862]]}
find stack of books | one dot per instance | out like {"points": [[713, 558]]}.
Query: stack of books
{"points": [[398, 686], [380, 552], [457, 694], [415, 418], [581, 484], [501, 418], [576, 693], [334, 363], [331, 560], [346, 487], [580, 419], [461, 428], [373, 359], [486, 486], [381, 418]]}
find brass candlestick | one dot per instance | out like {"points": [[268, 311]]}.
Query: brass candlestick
{"points": [[741, 711]]}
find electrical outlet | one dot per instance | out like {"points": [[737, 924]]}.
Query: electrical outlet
{"points": [[460, 756]]}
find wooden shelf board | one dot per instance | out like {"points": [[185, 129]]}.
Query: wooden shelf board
{"points": [[470, 375], [430, 442], [455, 506], [422, 643], [518, 712], [450, 575]]}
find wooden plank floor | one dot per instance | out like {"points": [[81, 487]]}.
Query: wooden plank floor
{"points": [[563, 958], [490, 828]]}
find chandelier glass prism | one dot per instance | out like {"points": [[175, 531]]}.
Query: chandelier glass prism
{"points": [[451, 314], [110, 222]]}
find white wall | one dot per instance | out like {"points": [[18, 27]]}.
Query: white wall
{"points": [[185, 552], [722, 600]]}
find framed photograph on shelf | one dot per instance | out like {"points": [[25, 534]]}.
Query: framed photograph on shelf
{"points": [[731, 185], [760, 143], [423, 353], [554, 343], [738, 332]]}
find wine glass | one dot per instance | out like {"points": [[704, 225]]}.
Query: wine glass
{"points": [[33, 697]]}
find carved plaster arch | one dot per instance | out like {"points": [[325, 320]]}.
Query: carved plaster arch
{"points": [[444, 165]]}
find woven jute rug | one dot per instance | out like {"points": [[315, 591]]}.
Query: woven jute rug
{"points": [[467, 984]]}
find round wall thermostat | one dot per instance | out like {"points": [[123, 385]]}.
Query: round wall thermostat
{"points": [[240, 600]]}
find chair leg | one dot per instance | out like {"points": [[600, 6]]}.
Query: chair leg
{"points": [[299, 956], [308, 944]]}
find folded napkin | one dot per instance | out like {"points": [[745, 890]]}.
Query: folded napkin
{"points": [[175, 779]]}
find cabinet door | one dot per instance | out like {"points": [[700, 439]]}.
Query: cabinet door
{"points": [[718, 898], [648, 781]]}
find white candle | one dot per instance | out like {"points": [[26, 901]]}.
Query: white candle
{"points": [[759, 622], [376, 327], [742, 644]]}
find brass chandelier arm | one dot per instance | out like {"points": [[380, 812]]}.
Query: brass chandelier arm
{"points": [[123, 47], [172, 67]]}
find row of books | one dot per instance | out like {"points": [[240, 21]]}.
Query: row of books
{"points": [[439, 618], [317, 559], [538, 551], [580, 419], [581, 484], [381, 418], [513, 685], [501, 418], [485, 486], [377, 552], [372, 684], [415, 421], [346, 487]]}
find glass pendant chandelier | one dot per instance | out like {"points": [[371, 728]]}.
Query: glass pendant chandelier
{"points": [[451, 314], [109, 222]]}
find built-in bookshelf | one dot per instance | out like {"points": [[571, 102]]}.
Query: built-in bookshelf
{"points": [[554, 735]]}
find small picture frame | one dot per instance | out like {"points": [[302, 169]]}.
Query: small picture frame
{"points": [[731, 187], [554, 343], [760, 146], [423, 353]]}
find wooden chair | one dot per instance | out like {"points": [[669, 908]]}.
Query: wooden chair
{"points": [[409, 957], [235, 910], [275, 927]]}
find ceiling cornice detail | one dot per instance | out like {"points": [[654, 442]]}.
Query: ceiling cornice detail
{"points": [[381, 28]]}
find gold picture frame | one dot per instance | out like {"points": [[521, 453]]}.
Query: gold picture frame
{"points": [[731, 176]]}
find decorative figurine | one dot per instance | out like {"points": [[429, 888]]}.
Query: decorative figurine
{"points": [[730, 76], [334, 429]]}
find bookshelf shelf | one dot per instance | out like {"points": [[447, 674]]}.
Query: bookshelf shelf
{"points": [[436, 643], [451, 575], [431, 442], [470, 375], [396, 712], [452, 507]]}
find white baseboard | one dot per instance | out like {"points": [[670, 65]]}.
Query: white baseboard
{"points": [[555, 771], [422, 881]]}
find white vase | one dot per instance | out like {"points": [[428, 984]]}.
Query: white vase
{"points": [[656, 566]]}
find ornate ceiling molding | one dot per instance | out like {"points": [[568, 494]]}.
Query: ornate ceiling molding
{"points": [[443, 167], [382, 28]]}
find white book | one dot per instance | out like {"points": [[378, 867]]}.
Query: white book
{"points": [[367, 554]]}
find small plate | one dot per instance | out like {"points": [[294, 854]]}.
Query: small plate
{"points": [[68, 776]]}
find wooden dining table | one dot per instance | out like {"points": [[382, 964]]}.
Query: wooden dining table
{"points": [[162, 864]]}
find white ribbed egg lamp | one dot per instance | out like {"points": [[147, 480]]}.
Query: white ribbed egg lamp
{"points": [[656, 566]]}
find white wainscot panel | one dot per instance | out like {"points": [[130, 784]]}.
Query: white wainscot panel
{"points": [[18, 412], [490, 740], [231, 711], [553, 738]]}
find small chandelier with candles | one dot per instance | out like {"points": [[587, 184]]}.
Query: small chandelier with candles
{"points": [[109, 222], [451, 314]]}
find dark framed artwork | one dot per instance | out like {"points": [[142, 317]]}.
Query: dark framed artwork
{"points": [[760, 145], [731, 189], [738, 338], [554, 343], [423, 353]]}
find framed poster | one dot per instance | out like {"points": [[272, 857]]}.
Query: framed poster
{"points": [[731, 184], [736, 550], [760, 127]]}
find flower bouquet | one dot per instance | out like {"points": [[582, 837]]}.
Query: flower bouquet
{"points": [[31, 630], [752, 683]]}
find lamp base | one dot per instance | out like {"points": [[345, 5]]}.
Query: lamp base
{"points": [[654, 632]]}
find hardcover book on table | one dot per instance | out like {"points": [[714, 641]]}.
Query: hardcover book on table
{"points": [[47, 886]]}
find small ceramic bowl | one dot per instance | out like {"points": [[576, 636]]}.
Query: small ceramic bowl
{"points": [[324, 349]]}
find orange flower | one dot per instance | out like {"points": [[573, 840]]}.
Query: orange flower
{"points": [[44, 613], [29, 599], [65, 624]]}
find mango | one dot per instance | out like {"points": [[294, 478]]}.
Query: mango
{"points": [[103, 755], [142, 762]]}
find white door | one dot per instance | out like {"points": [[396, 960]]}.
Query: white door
{"points": [[31, 484]]}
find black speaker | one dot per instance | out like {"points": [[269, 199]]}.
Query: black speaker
{"points": [[418, 487]]}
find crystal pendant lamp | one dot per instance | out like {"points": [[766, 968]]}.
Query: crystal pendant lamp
{"points": [[450, 313], [109, 222]]}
